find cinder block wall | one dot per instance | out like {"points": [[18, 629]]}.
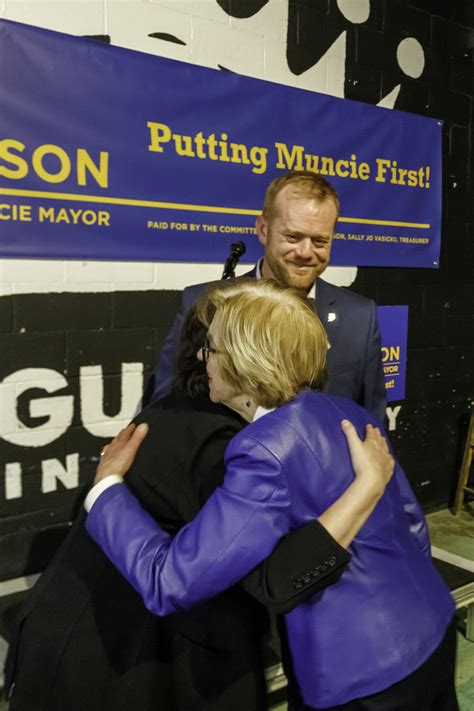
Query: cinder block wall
{"points": [[89, 333]]}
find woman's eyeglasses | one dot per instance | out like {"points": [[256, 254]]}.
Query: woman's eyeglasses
{"points": [[206, 348]]}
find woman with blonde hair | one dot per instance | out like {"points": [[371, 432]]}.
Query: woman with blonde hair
{"points": [[382, 637]]}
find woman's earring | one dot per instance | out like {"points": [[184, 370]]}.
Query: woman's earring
{"points": [[248, 403]]}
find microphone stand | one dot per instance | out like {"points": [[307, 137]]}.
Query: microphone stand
{"points": [[237, 250]]}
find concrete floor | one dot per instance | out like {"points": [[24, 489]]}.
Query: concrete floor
{"points": [[456, 535]]}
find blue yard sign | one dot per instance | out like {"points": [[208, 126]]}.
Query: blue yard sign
{"points": [[393, 322]]}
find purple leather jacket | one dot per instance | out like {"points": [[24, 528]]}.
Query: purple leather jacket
{"points": [[385, 616]]}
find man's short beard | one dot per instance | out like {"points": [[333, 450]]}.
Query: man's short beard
{"points": [[287, 278]]}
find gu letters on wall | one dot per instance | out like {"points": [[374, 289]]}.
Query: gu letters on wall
{"points": [[52, 426]]}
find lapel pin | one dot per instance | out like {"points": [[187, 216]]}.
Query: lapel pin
{"points": [[331, 317]]}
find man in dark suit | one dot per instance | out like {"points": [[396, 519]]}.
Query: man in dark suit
{"points": [[296, 227]]}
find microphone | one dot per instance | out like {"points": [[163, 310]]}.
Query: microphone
{"points": [[237, 250]]}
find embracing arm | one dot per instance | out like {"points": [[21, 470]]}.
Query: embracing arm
{"points": [[373, 465], [309, 559], [236, 529], [305, 561]]}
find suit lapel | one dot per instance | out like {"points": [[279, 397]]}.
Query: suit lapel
{"points": [[249, 275], [326, 304], [327, 309]]}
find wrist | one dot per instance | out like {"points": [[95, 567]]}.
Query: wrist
{"points": [[99, 487], [370, 487], [100, 476]]}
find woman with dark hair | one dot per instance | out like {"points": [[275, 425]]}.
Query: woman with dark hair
{"points": [[85, 639], [383, 637]]}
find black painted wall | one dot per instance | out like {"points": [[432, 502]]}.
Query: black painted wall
{"points": [[432, 424]]}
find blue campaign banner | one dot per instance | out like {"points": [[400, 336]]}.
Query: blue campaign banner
{"points": [[393, 322], [108, 153]]}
